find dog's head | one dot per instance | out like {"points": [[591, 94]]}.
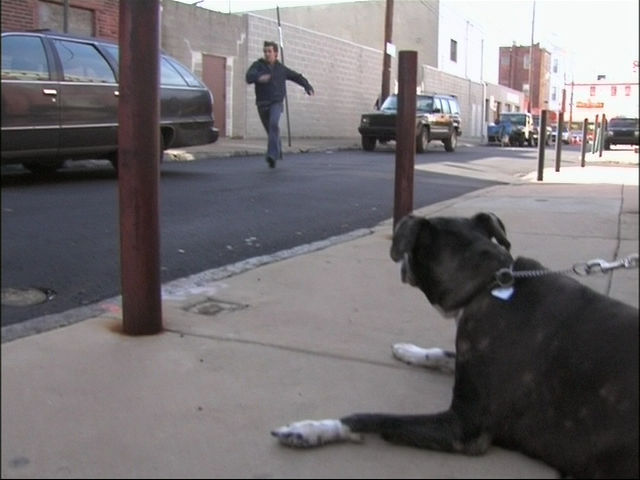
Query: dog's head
{"points": [[450, 258]]}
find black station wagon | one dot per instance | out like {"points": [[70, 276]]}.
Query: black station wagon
{"points": [[60, 101]]}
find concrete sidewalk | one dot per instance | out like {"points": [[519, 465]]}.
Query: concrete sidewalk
{"points": [[306, 337]]}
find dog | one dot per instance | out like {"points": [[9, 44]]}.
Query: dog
{"points": [[543, 364]]}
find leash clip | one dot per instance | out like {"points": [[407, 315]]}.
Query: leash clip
{"points": [[504, 277], [599, 265]]}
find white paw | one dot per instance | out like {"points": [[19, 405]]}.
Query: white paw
{"points": [[313, 433], [423, 357]]}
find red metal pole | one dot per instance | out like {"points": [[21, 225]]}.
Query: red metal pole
{"points": [[138, 166], [405, 134]]}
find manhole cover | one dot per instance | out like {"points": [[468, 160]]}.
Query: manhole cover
{"points": [[24, 297], [213, 307]]}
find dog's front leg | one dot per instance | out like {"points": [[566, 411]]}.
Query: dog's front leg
{"points": [[443, 431]]}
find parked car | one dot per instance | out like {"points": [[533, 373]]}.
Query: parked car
{"points": [[536, 134], [566, 136], [60, 101], [621, 131], [514, 128], [437, 118]]}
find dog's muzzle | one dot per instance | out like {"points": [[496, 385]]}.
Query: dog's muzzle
{"points": [[405, 271]]}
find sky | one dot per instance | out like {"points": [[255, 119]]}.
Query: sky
{"points": [[598, 36]]}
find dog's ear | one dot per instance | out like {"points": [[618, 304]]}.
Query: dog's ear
{"points": [[404, 236], [494, 227]]}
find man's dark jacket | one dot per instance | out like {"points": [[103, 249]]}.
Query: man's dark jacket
{"points": [[274, 90]]}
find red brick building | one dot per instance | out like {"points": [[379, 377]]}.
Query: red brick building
{"points": [[98, 18], [514, 73]]}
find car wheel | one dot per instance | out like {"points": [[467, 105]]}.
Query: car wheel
{"points": [[607, 146], [113, 159], [368, 143], [451, 143], [422, 140], [39, 168], [530, 141]]}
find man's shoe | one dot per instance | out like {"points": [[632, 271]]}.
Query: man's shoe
{"points": [[271, 162]]}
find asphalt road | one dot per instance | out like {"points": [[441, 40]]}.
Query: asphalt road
{"points": [[61, 233]]}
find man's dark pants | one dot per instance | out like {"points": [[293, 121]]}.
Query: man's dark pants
{"points": [[270, 118]]}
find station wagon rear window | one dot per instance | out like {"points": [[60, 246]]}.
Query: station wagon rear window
{"points": [[171, 73]]}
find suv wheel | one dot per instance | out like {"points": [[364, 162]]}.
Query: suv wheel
{"points": [[422, 140], [368, 143], [451, 143]]}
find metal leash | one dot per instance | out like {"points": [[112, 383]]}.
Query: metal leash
{"points": [[506, 276]]}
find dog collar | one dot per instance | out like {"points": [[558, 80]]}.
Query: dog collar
{"points": [[503, 284]]}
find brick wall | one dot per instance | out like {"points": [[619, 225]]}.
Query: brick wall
{"points": [[17, 15], [23, 15]]}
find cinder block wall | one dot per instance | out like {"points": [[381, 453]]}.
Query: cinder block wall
{"points": [[346, 78], [469, 96]]}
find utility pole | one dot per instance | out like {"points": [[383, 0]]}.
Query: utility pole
{"points": [[571, 109], [386, 58], [533, 20], [65, 16]]}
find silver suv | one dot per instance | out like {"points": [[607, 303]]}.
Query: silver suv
{"points": [[60, 101]]}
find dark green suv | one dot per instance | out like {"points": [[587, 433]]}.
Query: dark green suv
{"points": [[621, 131], [437, 118]]}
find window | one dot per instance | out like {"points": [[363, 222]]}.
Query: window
{"points": [[80, 20], [454, 107], [526, 61], [592, 91], [554, 94], [555, 65], [454, 51], [23, 58], [437, 107], [424, 104], [81, 62], [627, 90], [505, 59], [189, 77], [171, 73], [445, 106], [614, 90]]}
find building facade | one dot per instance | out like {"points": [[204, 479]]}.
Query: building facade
{"points": [[527, 69], [337, 47], [94, 18], [602, 97]]}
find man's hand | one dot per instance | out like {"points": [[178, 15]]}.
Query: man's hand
{"points": [[264, 78], [309, 91]]}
